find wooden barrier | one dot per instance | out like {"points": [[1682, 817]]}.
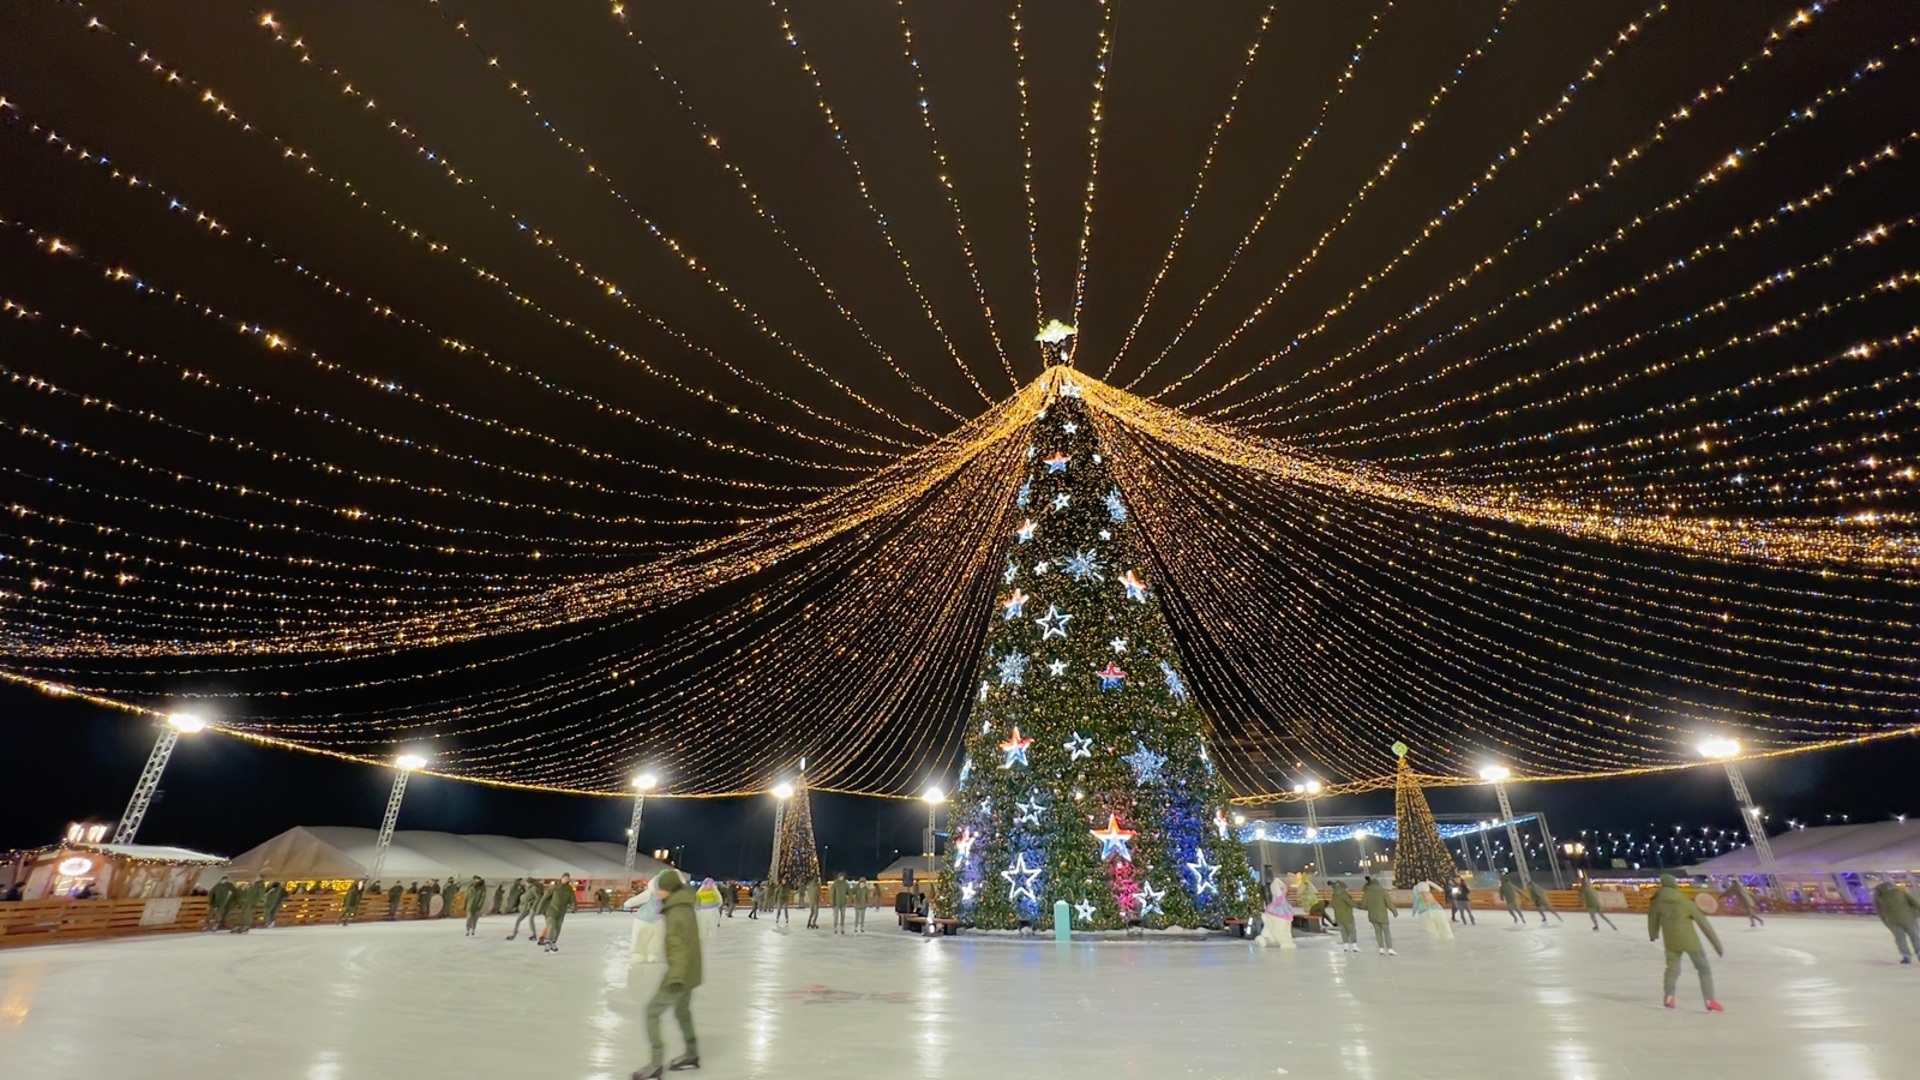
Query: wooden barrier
{"points": [[33, 922]]}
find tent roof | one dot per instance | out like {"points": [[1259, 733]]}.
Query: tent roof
{"points": [[135, 851], [344, 852], [1876, 847], [918, 862]]}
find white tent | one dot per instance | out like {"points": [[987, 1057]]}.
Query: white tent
{"points": [[343, 853], [1881, 847]]}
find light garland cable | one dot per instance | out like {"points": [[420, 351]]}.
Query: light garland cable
{"points": [[1097, 115]]}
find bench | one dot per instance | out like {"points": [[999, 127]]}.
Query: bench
{"points": [[917, 924], [1236, 927]]}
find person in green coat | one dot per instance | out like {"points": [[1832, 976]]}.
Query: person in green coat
{"points": [[1749, 904], [684, 971], [247, 904], [476, 896], [813, 903], [1900, 912], [393, 901], [276, 895], [1379, 909], [1673, 916], [1590, 900], [1510, 895], [1540, 902], [863, 891], [447, 893], [500, 898], [529, 911], [513, 895], [1340, 902], [559, 901], [350, 907], [841, 893], [219, 902]]}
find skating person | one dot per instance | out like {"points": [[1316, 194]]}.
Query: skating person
{"points": [[527, 911], [756, 896], [476, 903], [1900, 911], [841, 892], [350, 907], [499, 898], [1590, 899], [560, 900], [813, 903], [1510, 895], [777, 897], [862, 896], [513, 895], [1427, 910], [729, 897], [447, 892], [1540, 902], [1748, 903], [683, 974], [419, 899], [1673, 916], [1461, 897], [247, 904], [1379, 909], [276, 895], [219, 903], [393, 902], [1340, 904]]}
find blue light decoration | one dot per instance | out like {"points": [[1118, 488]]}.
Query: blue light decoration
{"points": [[1111, 677], [1057, 463], [1146, 764], [1136, 589], [1084, 565], [1077, 747], [1150, 898], [1025, 493], [1013, 669], [1026, 530], [1203, 873], [1116, 509], [1285, 832], [1114, 840], [1177, 688], [1013, 605], [1020, 878], [1016, 749]]}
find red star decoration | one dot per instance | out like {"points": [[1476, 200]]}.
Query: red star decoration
{"points": [[1111, 675]]}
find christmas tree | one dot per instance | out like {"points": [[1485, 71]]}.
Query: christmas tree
{"points": [[795, 861], [1086, 776], [1420, 854]]}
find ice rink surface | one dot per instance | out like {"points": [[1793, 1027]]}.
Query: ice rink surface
{"points": [[1806, 997]]}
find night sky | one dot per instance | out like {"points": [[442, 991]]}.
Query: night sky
{"points": [[677, 103]]}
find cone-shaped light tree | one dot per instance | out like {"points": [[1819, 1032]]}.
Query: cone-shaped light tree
{"points": [[1086, 776], [795, 859], [1419, 854]]}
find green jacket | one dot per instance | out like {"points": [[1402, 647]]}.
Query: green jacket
{"points": [[862, 893], [476, 895], [220, 896], [559, 900], [1510, 890], [682, 936], [841, 891], [513, 895], [1538, 895], [1744, 896], [1896, 906], [1589, 896], [354, 893], [1379, 904], [1342, 902], [813, 895], [1674, 915], [393, 895]]}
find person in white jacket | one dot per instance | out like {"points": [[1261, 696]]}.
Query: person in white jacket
{"points": [[649, 934]]}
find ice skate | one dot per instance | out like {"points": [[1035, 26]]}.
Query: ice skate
{"points": [[1383, 952], [1669, 1003], [691, 1061], [1714, 1006], [1390, 952], [651, 1072]]}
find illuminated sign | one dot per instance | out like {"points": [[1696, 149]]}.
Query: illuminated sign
{"points": [[87, 832], [75, 866]]}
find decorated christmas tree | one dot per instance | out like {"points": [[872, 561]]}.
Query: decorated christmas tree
{"points": [[795, 860], [1086, 776], [1419, 855]]}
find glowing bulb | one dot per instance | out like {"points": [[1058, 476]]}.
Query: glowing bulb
{"points": [[1494, 774], [410, 762], [1720, 749], [783, 790], [646, 781], [186, 723]]}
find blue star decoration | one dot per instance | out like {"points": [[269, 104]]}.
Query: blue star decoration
{"points": [[1016, 887], [1111, 677], [1056, 668], [1016, 749], [1013, 669], [1202, 872], [1175, 686], [1012, 605], [963, 847], [1084, 911], [1061, 500], [1136, 589], [1026, 530], [966, 770], [1012, 571], [1053, 623], [1116, 509], [1028, 813], [1057, 463], [1146, 764], [1114, 840], [966, 892], [1149, 898], [1026, 492], [1084, 565], [1077, 747]]}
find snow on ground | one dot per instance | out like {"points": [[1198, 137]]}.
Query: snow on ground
{"points": [[1806, 997]]}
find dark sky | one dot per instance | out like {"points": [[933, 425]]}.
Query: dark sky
{"points": [[724, 70]]}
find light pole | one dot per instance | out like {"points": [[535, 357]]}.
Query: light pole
{"points": [[642, 784], [403, 767], [1725, 751], [1311, 789], [1498, 775], [933, 797], [176, 725]]}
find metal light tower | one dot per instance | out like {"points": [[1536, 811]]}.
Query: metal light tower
{"points": [[1311, 789], [642, 784], [1725, 751], [176, 725], [933, 798], [1498, 775], [403, 767]]}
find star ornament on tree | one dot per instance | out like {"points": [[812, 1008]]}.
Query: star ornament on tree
{"points": [[1017, 888], [1025, 493], [1028, 813], [1056, 668], [1012, 605], [1053, 623], [1114, 840], [966, 892], [1084, 911], [1015, 748], [1203, 872], [1013, 669], [1220, 822], [1077, 747], [1136, 589], [1111, 677], [1057, 463], [1177, 689], [1150, 898], [1146, 764], [1026, 530], [963, 848]]}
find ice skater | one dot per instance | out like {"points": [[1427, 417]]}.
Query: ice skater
{"points": [[499, 898], [1590, 899], [559, 901], [276, 895], [840, 893], [756, 896], [1461, 896], [350, 907], [683, 975], [1379, 909], [777, 898], [863, 891], [729, 898], [1673, 916], [248, 903], [1510, 895], [1340, 903], [1540, 902], [813, 903], [476, 902], [219, 903], [513, 895], [393, 902], [1427, 910], [529, 912], [1900, 912], [1749, 904]]}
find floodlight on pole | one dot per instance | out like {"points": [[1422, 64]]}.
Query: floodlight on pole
{"points": [[1311, 790], [404, 766], [1498, 775], [642, 784], [145, 788], [1727, 752], [933, 797]]}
